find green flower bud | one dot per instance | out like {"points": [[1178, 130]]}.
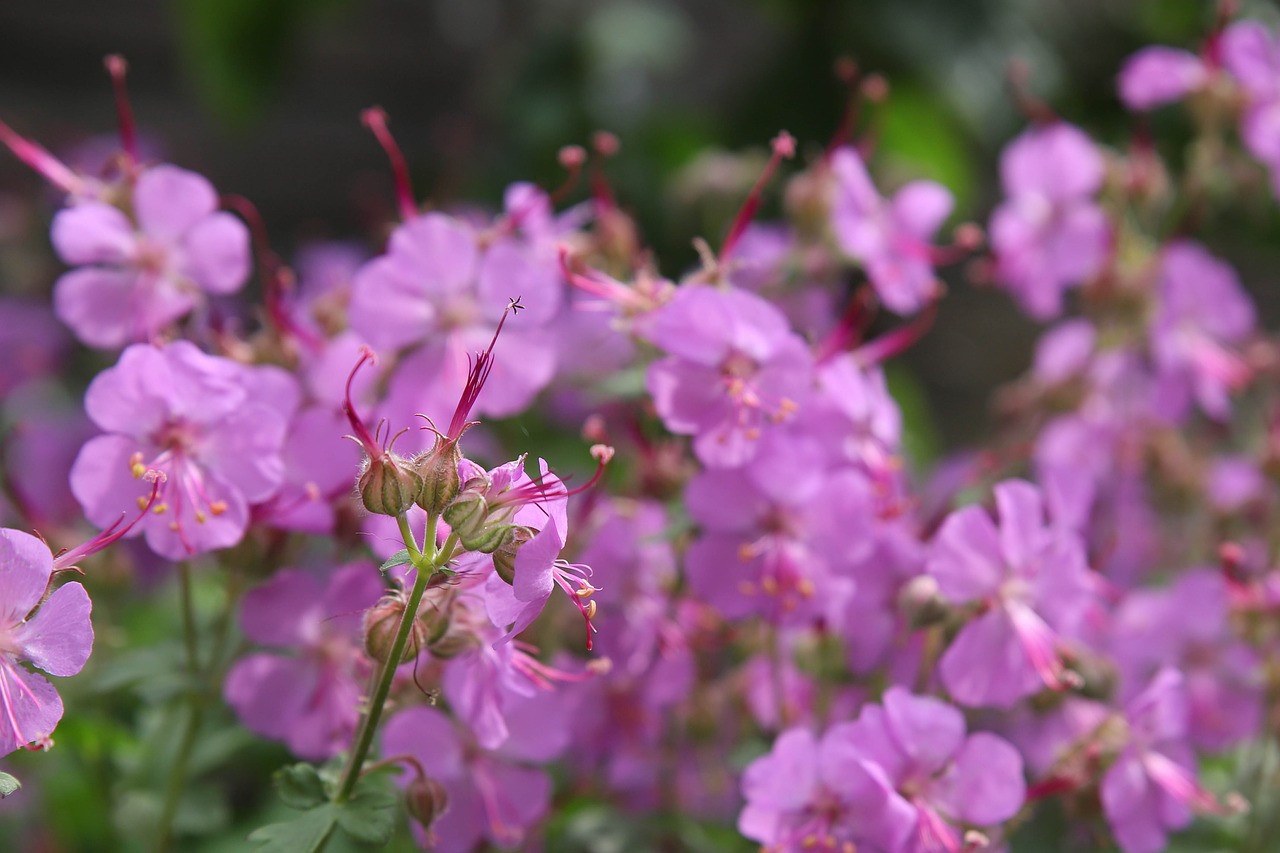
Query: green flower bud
{"points": [[381, 622], [441, 482], [504, 556], [425, 800], [388, 485]]}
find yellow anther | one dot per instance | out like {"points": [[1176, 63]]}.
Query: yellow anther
{"points": [[200, 517], [805, 586], [752, 434], [769, 584], [218, 508], [174, 526], [160, 508], [136, 468], [142, 502], [591, 609], [810, 842], [746, 588], [746, 552]]}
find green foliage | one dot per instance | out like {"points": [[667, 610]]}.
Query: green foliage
{"points": [[399, 558], [8, 784], [368, 818]]}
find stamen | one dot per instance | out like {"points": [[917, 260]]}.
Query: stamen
{"points": [[45, 164], [362, 436], [899, 340], [605, 145], [118, 68], [375, 119], [783, 146]]}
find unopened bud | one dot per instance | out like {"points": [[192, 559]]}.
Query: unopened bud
{"points": [[494, 537], [921, 602], [382, 622], [388, 485], [504, 556], [425, 800], [456, 640], [466, 513], [438, 469]]}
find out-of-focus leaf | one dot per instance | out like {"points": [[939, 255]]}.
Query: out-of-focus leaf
{"points": [[920, 140], [8, 784], [300, 786]]}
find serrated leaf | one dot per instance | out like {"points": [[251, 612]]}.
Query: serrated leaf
{"points": [[306, 833], [370, 814], [300, 786], [8, 784], [399, 558]]}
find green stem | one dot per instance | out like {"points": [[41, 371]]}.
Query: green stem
{"points": [[426, 567], [195, 715]]}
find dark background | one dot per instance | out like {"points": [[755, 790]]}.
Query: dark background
{"points": [[263, 96]]}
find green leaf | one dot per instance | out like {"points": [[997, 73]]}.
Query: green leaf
{"points": [[300, 786], [369, 817], [399, 558], [370, 814], [8, 784], [306, 833]]}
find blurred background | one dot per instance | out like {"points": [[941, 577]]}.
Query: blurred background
{"points": [[263, 96]]}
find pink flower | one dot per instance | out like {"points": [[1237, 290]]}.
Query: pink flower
{"points": [[214, 427], [140, 271], [56, 639], [890, 238]]}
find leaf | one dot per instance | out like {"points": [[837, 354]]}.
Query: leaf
{"points": [[399, 558], [369, 817], [300, 786], [8, 784], [306, 833], [370, 814]]}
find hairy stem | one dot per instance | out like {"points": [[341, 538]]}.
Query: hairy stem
{"points": [[195, 713]]}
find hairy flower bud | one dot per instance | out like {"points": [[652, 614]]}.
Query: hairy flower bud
{"points": [[381, 622], [388, 485], [425, 800], [921, 602], [504, 555], [456, 640], [441, 482], [466, 513]]}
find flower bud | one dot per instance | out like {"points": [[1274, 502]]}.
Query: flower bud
{"points": [[441, 482], [455, 641], [466, 513], [425, 800], [504, 556], [388, 485], [381, 622], [921, 602]]}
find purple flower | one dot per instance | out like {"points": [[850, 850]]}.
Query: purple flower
{"points": [[1151, 789], [734, 369], [214, 427], [933, 773], [57, 639], [1251, 54], [1048, 234], [492, 794], [1160, 75], [1202, 312], [310, 698], [141, 271], [822, 789], [891, 239], [1032, 584], [31, 342], [440, 293]]}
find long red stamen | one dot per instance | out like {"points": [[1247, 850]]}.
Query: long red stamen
{"points": [[118, 69], [851, 327], [45, 164], [899, 340], [115, 532], [375, 119], [605, 145], [362, 436], [478, 375], [783, 147], [1036, 110]]}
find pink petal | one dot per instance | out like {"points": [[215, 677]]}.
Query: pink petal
{"points": [[60, 637], [93, 233], [217, 253], [25, 567], [169, 201], [30, 707]]}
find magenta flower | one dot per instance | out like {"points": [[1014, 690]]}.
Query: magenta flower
{"points": [[56, 639], [734, 369], [213, 426], [140, 271], [937, 780], [439, 293], [1251, 54], [309, 698], [1151, 789], [493, 795], [1202, 312], [1033, 586], [1048, 234], [891, 239], [1160, 75]]}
